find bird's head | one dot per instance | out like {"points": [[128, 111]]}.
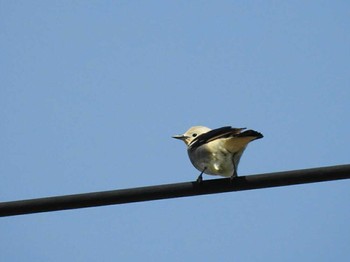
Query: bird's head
{"points": [[192, 134]]}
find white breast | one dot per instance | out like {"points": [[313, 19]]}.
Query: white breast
{"points": [[212, 157]]}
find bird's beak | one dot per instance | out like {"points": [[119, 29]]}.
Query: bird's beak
{"points": [[181, 137]]}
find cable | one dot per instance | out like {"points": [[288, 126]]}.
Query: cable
{"points": [[174, 190]]}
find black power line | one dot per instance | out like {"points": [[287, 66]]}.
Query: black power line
{"points": [[174, 190]]}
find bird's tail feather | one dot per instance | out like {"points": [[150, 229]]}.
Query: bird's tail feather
{"points": [[251, 133]]}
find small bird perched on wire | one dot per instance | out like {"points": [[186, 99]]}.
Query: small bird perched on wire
{"points": [[217, 151]]}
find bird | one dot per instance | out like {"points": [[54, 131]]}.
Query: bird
{"points": [[217, 151]]}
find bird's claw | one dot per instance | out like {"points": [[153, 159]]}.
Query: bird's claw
{"points": [[234, 175], [200, 178]]}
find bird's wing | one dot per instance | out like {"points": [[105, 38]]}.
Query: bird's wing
{"points": [[222, 132]]}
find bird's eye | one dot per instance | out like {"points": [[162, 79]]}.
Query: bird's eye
{"points": [[194, 135]]}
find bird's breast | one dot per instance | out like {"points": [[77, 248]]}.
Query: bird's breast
{"points": [[214, 159]]}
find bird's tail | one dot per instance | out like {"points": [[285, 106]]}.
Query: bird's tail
{"points": [[250, 133]]}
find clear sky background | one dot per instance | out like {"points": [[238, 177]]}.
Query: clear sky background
{"points": [[92, 91]]}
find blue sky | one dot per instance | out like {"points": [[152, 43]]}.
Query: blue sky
{"points": [[92, 91]]}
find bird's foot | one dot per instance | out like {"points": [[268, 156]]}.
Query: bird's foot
{"points": [[234, 175], [200, 178]]}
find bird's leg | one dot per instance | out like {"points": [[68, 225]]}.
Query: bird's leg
{"points": [[234, 168], [200, 177]]}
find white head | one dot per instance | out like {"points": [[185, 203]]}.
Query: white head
{"points": [[192, 133]]}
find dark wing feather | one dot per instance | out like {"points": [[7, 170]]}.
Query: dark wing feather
{"points": [[251, 133], [211, 135]]}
